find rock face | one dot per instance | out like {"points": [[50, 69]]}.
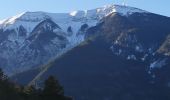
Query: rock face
{"points": [[112, 52], [121, 58], [125, 55], [21, 52], [32, 39]]}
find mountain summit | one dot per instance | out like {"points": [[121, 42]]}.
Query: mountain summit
{"points": [[33, 38], [34, 18], [108, 53]]}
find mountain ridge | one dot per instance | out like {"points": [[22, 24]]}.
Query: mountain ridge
{"points": [[17, 48], [118, 56]]}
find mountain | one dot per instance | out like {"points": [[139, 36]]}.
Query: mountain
{"points": [[31, 39], [119, 59], [112, 52]]}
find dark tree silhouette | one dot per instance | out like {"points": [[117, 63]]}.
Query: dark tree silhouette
{"points": [[51, 91], [2, 76], [52, 87]]}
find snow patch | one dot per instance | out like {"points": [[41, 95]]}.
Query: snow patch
{"points": [[158, 64], [30, 19], [144, 57], [124, 10], [131, 57], [138, 48]]}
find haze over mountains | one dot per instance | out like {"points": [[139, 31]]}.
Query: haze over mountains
{"points": [[97, 54]]}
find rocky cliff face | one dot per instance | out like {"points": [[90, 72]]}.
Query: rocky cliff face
{"points": [[122, 58], [32, 39], [138, 37], [113, 52]]}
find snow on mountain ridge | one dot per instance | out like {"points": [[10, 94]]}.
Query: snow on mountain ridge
{"points": [[26, 37], [33, 18], [124, 10], [12, 19]]}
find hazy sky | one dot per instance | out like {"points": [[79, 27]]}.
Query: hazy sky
{"points": [[12, 7]]}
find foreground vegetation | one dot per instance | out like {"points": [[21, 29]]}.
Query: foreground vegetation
{"points": [[52, 90]]}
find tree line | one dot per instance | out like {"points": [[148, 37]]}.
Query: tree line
{"points": [[52, 90]]}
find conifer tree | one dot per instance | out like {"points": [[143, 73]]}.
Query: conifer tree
{"points": [[52, 87]]}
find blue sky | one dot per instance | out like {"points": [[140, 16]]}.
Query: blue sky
{"points": [[12, 7]]}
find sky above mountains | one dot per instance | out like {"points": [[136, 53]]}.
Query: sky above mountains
{"points": [[12, 7]]}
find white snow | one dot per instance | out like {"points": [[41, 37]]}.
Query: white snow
{"points": [[144, 57], [2, 21], [120, 51], [124, 10], [73, 13], [30, 19], [131, 57], [12, 19], [75, 19], [158, 64], [137, 48]]}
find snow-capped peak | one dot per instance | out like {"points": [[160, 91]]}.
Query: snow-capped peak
{"points": [[124, 10], [26, 19], [106, 10], [26, 16], [73, 13], [12, 19], [30, 19]]}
